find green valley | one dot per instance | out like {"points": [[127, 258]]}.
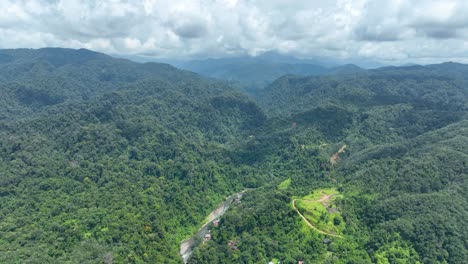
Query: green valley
{"points": [[105, 160]]}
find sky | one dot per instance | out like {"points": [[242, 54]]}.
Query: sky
{"points": [[388, 31]]}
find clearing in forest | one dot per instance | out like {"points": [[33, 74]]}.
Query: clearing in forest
{"points": [[336, 157], [319, 211], [285, 184]]}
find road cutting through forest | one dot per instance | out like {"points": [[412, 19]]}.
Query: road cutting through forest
{"points": [[188, 245]]}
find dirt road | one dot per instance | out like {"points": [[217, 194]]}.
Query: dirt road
{"points": [[309, 223]]}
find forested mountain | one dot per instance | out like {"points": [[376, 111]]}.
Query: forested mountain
{"points": [[46, 77], [252, 74], [104, 160], [123, 166], [401, 178], [249, 74]]}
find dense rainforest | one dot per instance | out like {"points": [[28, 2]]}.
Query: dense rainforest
{"points": [[104, 160]]}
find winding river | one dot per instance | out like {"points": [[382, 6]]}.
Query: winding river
{"points": [[188, 245]]}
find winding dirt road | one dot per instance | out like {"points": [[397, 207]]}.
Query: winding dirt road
{"points": [[309, 223]]}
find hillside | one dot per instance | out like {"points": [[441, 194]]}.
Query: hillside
{"points": [[125, 166], [104, 160], [402, 177], [31, 79]]}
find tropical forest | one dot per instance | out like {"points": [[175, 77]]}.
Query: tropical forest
{"points": [[106, 160]]}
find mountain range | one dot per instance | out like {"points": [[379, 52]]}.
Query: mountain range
{"points": [[106, 160]]}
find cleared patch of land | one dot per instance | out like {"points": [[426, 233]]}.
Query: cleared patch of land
{"points": [[285, 184], [336, 157], [320, 213]]}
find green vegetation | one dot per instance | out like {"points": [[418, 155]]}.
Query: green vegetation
{"points": [[402, 176], [103, 160], [320, 210], [327, 194], [126, 166], [275, 261], [284, 184]]}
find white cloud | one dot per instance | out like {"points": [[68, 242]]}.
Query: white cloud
{"points": [[392, 30]]}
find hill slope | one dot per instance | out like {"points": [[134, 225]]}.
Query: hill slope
{"points": [[122, 167], [105, 160], [402, 175]]}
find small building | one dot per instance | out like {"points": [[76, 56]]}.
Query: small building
{"points": [[216, 223], [326, 241], [207, 237], [300, 262]]}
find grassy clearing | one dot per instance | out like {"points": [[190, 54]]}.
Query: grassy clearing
{"points": [[319, 193], [275, 261], [285, 184], [320, 210]]}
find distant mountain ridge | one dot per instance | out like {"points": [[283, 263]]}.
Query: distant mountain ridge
{"points": [[255, 73], [105, 160], [294, 92], [72, 75]]}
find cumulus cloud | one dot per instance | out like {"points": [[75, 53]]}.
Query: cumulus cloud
{"points": [[390, 30]]}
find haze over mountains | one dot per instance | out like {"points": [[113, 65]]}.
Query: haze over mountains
{"points": [[105, 160], [253, 73]]}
